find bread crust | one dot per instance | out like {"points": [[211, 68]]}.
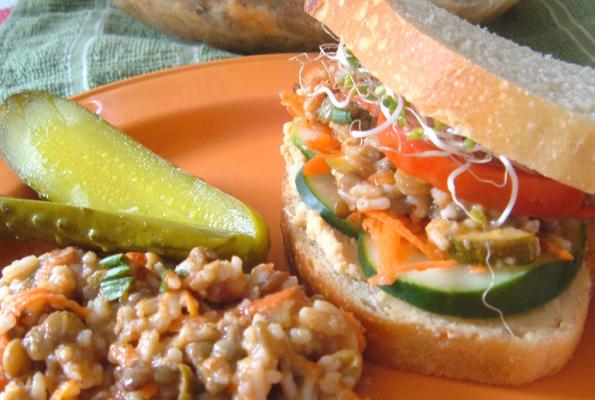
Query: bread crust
{"points": [[444, 84]]}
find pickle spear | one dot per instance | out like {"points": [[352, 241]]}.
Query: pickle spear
{"points": [[111, 232], [70, 155]]}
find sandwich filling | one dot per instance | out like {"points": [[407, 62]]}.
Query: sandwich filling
{"points": [[426, 203]]}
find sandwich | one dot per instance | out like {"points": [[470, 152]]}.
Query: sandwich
{"points": [[439, 185]]}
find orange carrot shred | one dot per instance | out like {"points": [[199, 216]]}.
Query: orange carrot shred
{"points": [[272, 300], [316, 165], [390, 273], [399, 224], [28, 298], [553, 247], [148, 391], [293, 103]]}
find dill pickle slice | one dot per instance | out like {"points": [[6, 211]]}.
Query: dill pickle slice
{"points": [[508, 245], [69, 155], [110, 232]]}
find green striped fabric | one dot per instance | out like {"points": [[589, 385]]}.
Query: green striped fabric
{"points": [[563, 28], [69, 46]]}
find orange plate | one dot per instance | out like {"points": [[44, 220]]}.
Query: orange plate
{"points": [[222, 121]]}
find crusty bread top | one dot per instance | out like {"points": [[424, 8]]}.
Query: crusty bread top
{"points": [[536, 110]]}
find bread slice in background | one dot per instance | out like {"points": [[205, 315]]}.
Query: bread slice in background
{"points": [[402, 336], [537, 111], [476, 10]]}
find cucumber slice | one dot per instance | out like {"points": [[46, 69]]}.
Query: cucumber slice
{"points": [[70, 155], [110, 232], [319, 192], [455, 291], [506, 245], [298, 142]]}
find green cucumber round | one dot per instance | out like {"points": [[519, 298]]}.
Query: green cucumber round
{"points": [[298, 141], [457, 292], [319, 192]]}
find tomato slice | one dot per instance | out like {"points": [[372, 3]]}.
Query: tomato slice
{"points": [[538, 196]]}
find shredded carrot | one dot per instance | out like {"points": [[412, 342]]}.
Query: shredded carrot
{"points": [[323, 143], [316, 136], [399, 224], [148, 391], [553, 247], [390, 273], [137, 258], [396, 243], [477, 269], [3, 379], [316, 165], [67, 390], [53, 259], [122, 353], [30, 298], [190, 303], [273, 300], [293, 103]]}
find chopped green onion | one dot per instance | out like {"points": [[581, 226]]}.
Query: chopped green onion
{"points": [[390, 103], [401, 121], [341, 117], [181, 270], [468, 144], [113, 260], [351, 59], [348, 82], [478, 216], [116, 272], [163, 288], [114, 289], [438, 126], [416, 134], [380, 90]]}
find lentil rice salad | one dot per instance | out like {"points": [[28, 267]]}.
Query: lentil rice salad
{"points": [[130, 326]]}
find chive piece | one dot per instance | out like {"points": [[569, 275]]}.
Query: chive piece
{"points": [[348, 82], [401, 121], [113, 260], [380, 90], [416, 134], [163, 288], [116, 272], [478, 216], [341, 117], [351, 59], [468, 144], [438, 126], [114, 289], [390, 103]]}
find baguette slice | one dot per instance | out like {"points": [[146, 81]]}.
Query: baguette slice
{"points": [[402, 336], [536, 110]]}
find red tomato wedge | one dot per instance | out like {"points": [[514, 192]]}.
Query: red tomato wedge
{"points": [[538, 196]]}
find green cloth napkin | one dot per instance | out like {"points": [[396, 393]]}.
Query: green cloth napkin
{"points": [[69, 46], [563, 28]]}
